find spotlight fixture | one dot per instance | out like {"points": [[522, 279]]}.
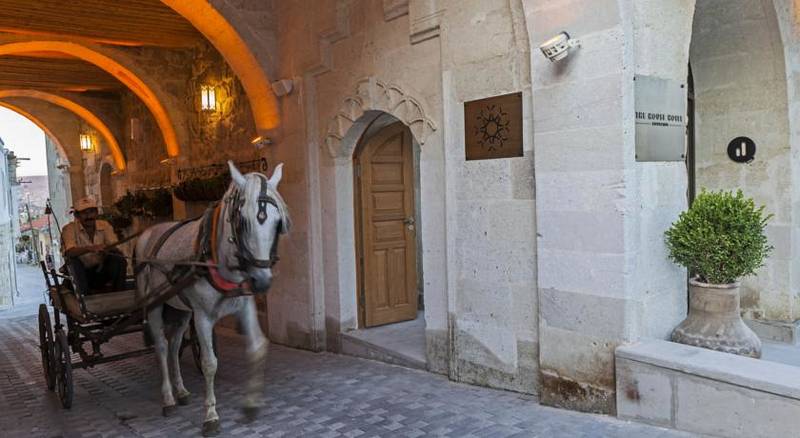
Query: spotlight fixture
{"points": [[87, 142], [261, 141], [208, 98], [282, 87], [557, 48]]}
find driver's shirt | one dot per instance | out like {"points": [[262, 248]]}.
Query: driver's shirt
{"points": [[74, 236]]}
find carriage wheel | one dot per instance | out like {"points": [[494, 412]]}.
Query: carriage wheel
{"points": [[63, 369], [46, 346], [195, 344]]}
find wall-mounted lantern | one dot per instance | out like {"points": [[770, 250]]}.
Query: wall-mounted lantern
{"points": [[87, 142], [208, 98]]}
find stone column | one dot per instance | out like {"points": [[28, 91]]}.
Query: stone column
{"points": [[602, 267]]}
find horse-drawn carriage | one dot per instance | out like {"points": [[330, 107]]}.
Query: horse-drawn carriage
{"points": [[84, 317], [202, 269]]}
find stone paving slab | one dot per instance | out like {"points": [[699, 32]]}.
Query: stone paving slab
{"points": [[307, 395]]}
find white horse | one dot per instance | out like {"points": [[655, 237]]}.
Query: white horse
{"points": [[238, 242]]}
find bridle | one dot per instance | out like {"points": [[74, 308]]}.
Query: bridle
{"points": [[240, 226]]}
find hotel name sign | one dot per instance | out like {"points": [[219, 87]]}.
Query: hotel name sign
{"points": [[660, 106]]}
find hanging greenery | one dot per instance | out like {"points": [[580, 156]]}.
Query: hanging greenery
{"points": [[202, 189], [158, 203], [142, 203]]}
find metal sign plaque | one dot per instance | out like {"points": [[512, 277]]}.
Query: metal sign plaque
{"points": [[660, 119], [742, 150], [493, 127]]}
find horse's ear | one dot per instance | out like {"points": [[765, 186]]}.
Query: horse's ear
{"points": [[237, 176], [277, 174]]}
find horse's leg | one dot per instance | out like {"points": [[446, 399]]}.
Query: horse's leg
{"points": [[204, 327], [257, 346], [175, 342], [156, 323]]}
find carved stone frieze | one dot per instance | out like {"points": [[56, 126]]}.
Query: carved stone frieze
{"points": [[374, 95]]}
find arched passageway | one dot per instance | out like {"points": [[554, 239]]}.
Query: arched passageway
{"points": [[740, 90], [219, 31], [79, 110], [121, 72], [59, 145]]}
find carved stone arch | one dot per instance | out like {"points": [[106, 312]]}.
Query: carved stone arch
{"points": [[374, 95]]}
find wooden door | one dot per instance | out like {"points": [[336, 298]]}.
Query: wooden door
{"points": [[386, 228]]}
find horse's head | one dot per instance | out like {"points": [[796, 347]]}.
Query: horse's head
{"points": [[258, 216]]}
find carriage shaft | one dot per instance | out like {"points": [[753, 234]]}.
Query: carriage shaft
{"points": [[92, 361]]}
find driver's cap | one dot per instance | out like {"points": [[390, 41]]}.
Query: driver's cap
{"points": [[85, 204]]}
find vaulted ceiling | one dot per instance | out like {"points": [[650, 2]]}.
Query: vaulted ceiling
{"points": [[119, 22], [54, 74], [122, 23]]}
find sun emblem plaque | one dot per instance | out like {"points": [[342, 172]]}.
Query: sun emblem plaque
{"points": [[493, 127]]}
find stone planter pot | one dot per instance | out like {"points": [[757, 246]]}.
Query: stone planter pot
{"points": [[714, 321]]}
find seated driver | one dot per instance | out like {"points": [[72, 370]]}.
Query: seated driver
{"points": [[93, 268]]}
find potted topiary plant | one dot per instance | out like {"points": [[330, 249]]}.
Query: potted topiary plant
{"points": [[719, 239]]}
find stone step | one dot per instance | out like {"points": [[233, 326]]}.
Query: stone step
{"points": [[354, 346]]}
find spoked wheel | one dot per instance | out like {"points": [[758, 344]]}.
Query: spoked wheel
{"points": [[63, 369], [46, 346]]}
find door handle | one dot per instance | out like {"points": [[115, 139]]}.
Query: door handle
{"points": [[409, 223]]}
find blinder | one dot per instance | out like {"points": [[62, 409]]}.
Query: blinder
{"points": [[240, 226]]}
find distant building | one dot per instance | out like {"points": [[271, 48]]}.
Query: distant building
{"points": [[8, 222]]}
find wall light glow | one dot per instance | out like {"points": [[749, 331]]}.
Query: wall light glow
{"points": [[87, 142], [208, 98]]}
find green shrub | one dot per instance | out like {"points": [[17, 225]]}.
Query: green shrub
{"points": [[720, 238]]}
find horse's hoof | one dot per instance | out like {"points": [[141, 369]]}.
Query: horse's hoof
{"points": [[250, 413], [169, 411], [211, 428], [184, 400]]}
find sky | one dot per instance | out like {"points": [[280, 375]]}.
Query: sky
{"points": [[26, 140]]}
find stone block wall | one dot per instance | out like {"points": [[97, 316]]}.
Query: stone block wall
{"points": [[707, 392], [490, 203], [350, 58], [208, 136]]}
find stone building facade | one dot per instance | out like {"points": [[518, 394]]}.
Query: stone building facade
{"points": [[532, 270], [8, 218]]}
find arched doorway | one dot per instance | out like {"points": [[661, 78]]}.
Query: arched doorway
{"points": [[106, 190], [381, 296], [739, 89], [386, 225]]}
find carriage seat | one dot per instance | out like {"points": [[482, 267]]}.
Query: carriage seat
{"points": [[104, 304]]}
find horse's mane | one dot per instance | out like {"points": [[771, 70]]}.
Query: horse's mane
{"points": [[283, 209]]}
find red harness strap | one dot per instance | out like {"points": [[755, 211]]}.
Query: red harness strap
{"points": [[220, 283]]}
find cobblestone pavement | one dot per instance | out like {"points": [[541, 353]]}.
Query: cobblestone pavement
{"points": [[307, 394]]}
